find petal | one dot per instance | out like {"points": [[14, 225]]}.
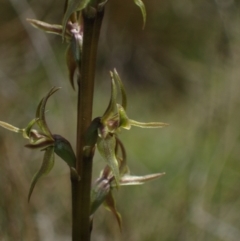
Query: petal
{"points": [[148, 124], [112, 103], [138, 180], [46, 27], [28, 130], [40, 114], [123, 93], [11, 127]]}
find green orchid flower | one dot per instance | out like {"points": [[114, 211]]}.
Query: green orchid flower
{"points": [[103, 130], [73, 34], [102, 190], [43, 139]]}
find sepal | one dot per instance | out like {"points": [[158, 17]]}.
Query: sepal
{"points": [[46, 167], [106, 147], [99, 192], [141, 5], [110, 204]]}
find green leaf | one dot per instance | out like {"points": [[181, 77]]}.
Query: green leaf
{"points": [[99, 192], [63, 149], [73, 6], [40, 114], [110, 204], [141, 5], [47, 165], [106, 147]]}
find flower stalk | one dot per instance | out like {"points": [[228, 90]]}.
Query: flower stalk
{"points": [[81, 189], [80, 29]]}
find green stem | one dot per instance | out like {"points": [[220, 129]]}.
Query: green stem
{"points": [[81, 189]]}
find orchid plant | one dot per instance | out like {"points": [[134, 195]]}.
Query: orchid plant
{"points": [[80, 29]]}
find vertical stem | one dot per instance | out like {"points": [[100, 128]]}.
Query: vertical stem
{"points": [[81, 189]]}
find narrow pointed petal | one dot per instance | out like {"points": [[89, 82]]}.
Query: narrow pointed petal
{"points": [[113, 101], [40, 114], [47, 165], [106, 147], [148, 124], [138, 180], [123, 93], [141, 5], [63, 149], [46, 27], [28, 129], [11, 127], [110, 204]]}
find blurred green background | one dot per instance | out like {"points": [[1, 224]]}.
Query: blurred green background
{"points": [[183, 69]]}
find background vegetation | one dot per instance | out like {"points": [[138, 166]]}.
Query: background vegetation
{"points": [[183, 69]]}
